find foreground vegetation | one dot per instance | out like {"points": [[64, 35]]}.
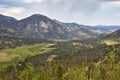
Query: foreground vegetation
{"points": [[62, 60]]}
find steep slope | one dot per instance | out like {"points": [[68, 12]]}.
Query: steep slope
{"points": [[6, 20], [7, 26], [115, 34], [112, 38], [39, 26]]}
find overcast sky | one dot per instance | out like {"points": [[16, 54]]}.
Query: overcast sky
{"points": [[89, 12]]}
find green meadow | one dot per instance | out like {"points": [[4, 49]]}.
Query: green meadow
{"points": [[11, 56]]}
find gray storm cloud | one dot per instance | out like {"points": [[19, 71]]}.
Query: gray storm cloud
{"points": [[72, 6], [88, 6], [57, 7]]}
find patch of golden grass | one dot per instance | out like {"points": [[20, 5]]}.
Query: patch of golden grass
{"points": [[110, 42], [4, 57]]}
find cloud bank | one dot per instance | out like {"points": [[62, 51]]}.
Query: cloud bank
{"points": [[70, 6], [12, 11], [66, 10]]}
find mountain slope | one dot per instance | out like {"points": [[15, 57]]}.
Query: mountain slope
{"points": [[6, 20], [115, 34], [7, 26], [40, 26], [82, 31]]}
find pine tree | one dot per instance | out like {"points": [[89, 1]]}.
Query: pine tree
{"points": [[59, 73]]}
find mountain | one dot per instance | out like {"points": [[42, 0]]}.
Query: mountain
{"points": [[82, 30], [7, 26], [115, 34], [106, 28], [40, 26], [75, 25], [6, 20]]}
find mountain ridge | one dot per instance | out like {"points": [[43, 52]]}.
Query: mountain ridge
{"points": [[40, 26], [115, 34]]}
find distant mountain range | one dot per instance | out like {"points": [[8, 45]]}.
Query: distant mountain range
{"points": [[40, 26], [106, 28]]}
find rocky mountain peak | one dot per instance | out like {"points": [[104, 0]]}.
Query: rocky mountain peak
{"points": [[36, 18]]}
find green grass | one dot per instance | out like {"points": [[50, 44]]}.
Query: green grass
{"points": [[25, 51], [20, 53]]}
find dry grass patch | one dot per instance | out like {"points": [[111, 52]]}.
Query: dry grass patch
{"points": [[4, 57]]}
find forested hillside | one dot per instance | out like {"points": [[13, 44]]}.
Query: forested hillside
{"points": [[64, 60]]}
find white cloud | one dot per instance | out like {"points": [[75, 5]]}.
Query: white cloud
{"points": [[111, 4], [12, 11], [29, 1], [117, 15]]}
